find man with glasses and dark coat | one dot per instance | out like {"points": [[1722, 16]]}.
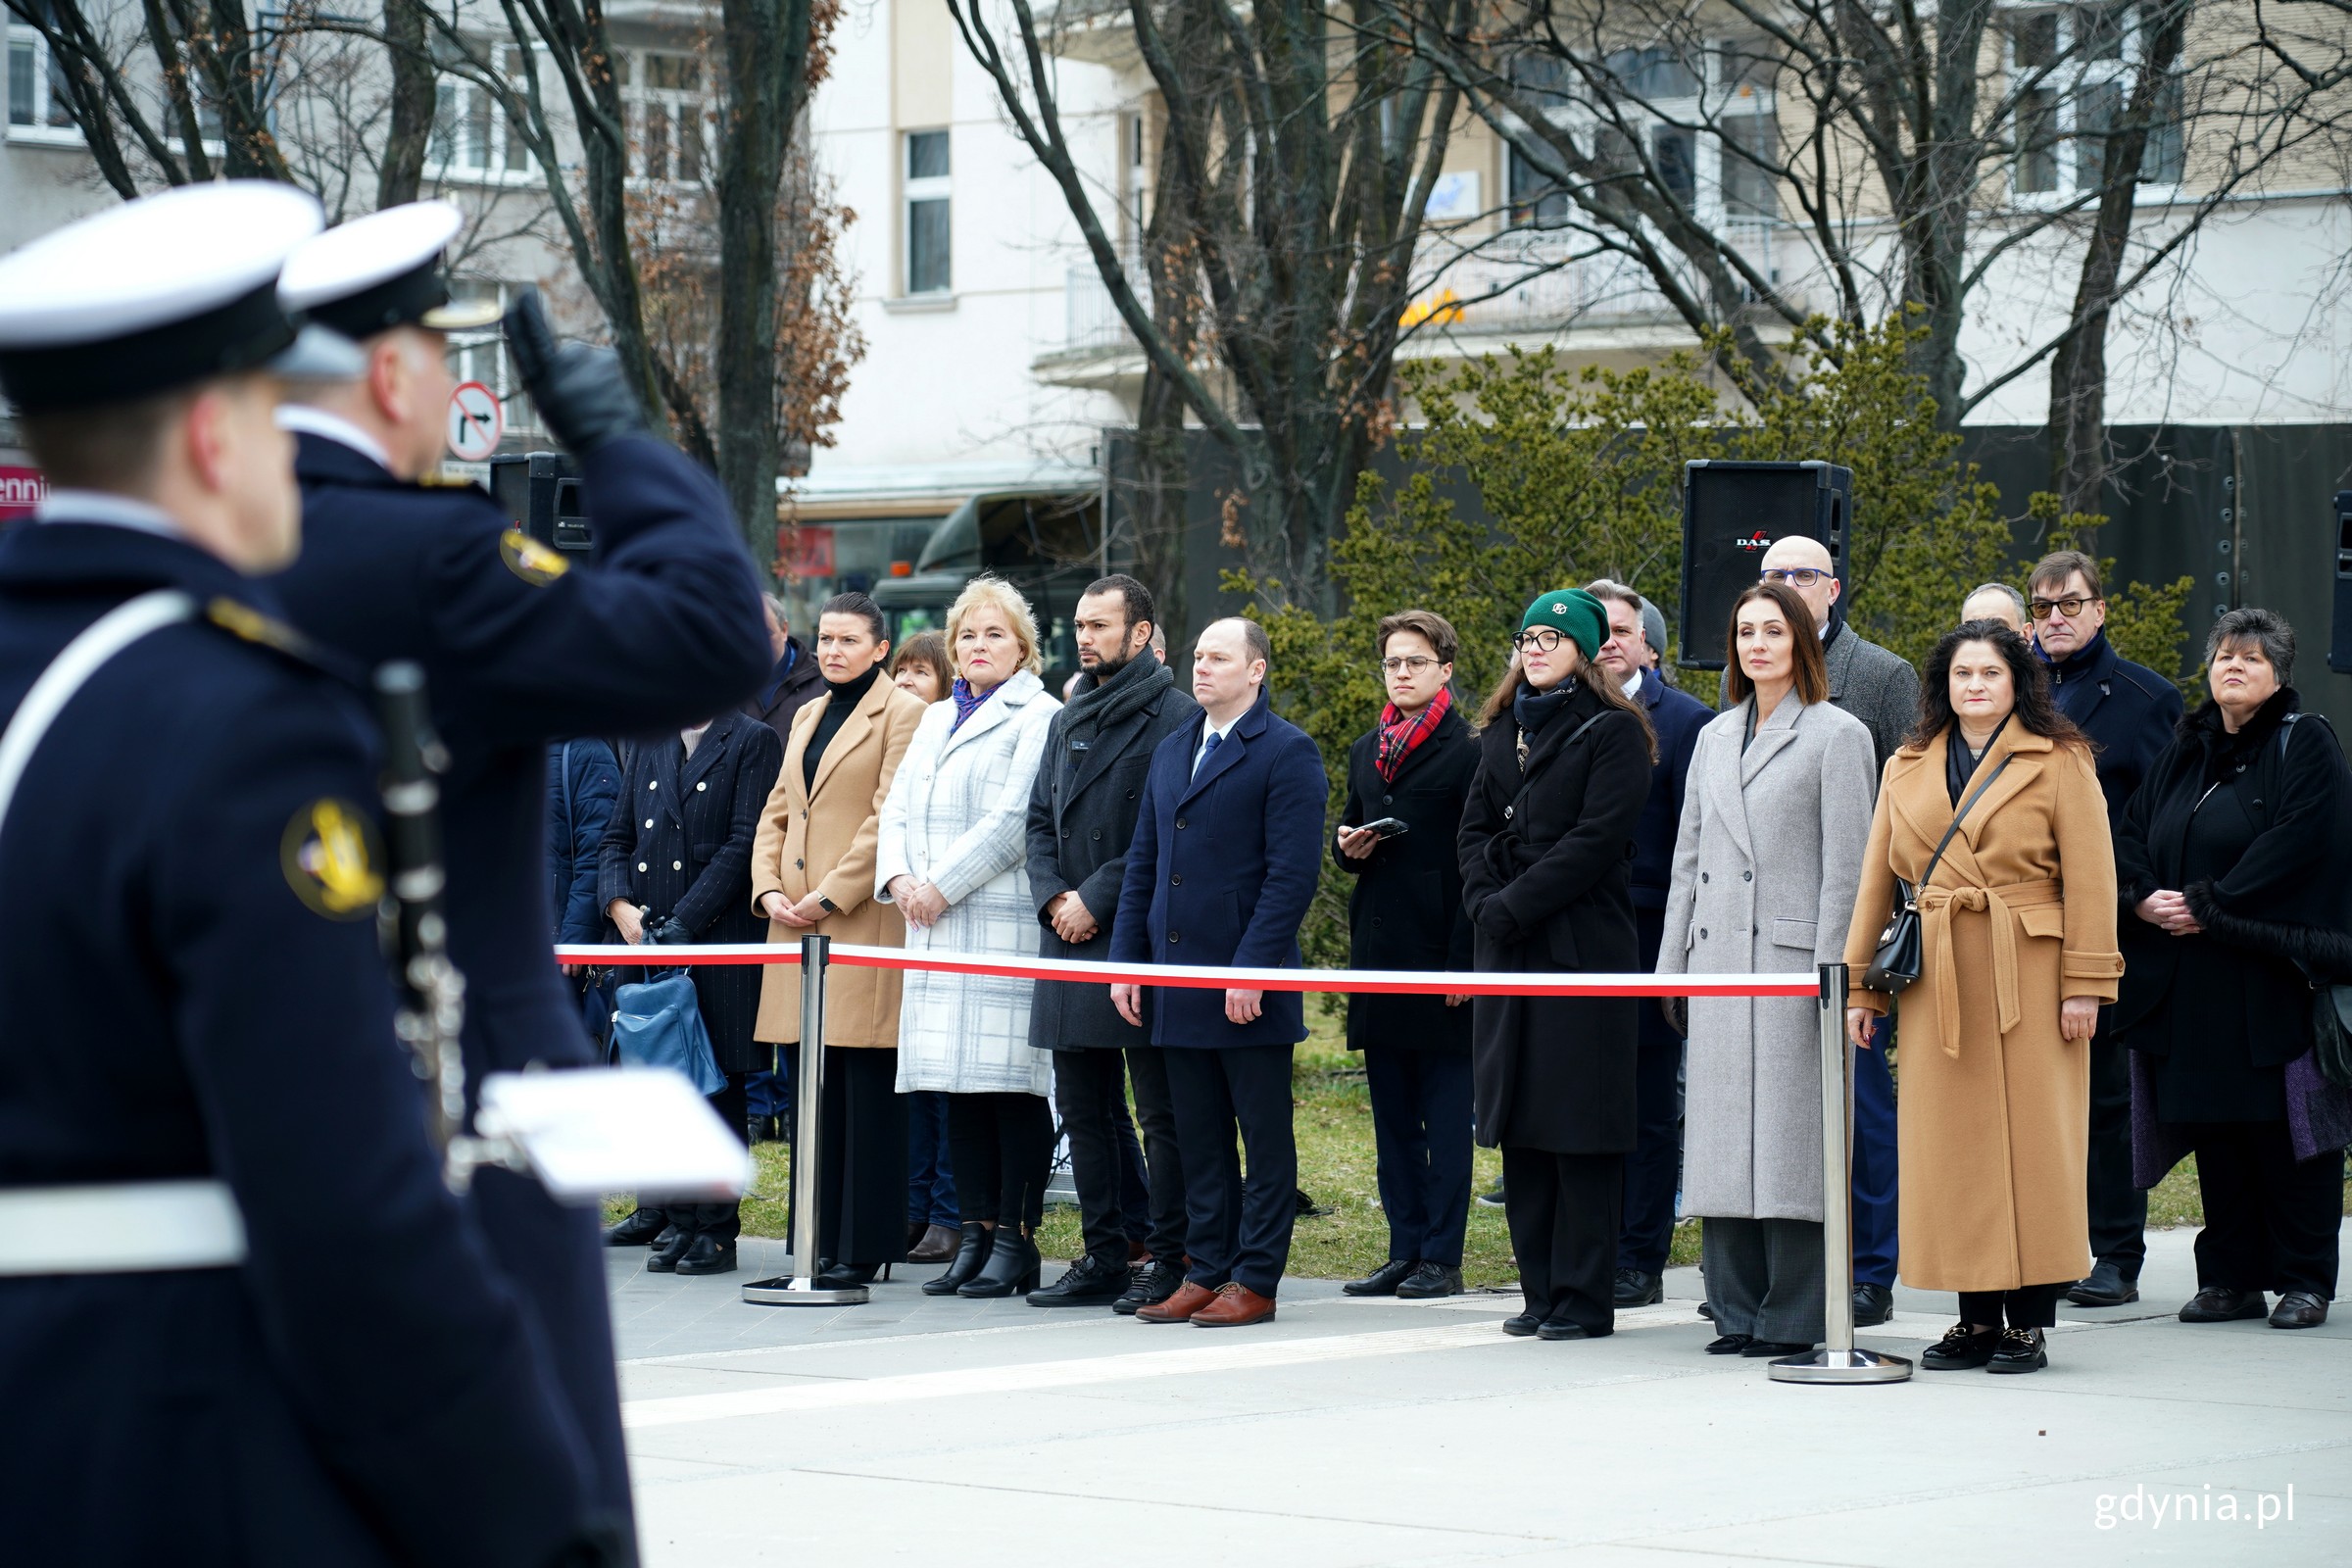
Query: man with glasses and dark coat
{"points": [[1876, 686], [2129, 712]]}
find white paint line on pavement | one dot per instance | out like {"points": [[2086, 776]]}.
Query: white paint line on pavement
{"points": [[683, 1410], [1060, 1320]]}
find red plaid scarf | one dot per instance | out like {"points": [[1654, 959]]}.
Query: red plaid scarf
{"points": [[1398, 735]]}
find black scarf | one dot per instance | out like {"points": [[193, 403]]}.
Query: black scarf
{"points": [[2227, 756], [1958, 766], [1101, 702], [1533, 709], [844, 701]]}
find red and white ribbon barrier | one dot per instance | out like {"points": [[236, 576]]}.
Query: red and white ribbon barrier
{"points": [[1209, 977]]}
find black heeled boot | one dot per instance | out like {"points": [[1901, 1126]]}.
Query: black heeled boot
{"points": [[842, 1276], [1012, 1267], [970, 1253]]}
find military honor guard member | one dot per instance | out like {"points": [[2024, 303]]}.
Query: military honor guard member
{"points": [[242, 1320], [663, 629]]}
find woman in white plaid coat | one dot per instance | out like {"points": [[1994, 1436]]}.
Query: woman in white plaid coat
{"points": [[953, 856]]}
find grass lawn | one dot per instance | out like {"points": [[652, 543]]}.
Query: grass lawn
{"points": [[1336, 1167]]}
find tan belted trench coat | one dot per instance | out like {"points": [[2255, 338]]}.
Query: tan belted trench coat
{"points": [[1993, 1105]]}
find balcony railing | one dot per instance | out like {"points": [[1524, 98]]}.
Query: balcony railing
{"points": [[1090, 319]]}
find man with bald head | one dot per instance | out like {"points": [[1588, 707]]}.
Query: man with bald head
{"points": [[1995, 601], [1877, 688]]}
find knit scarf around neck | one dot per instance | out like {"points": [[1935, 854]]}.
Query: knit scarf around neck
{"points": [[1401, 734]]}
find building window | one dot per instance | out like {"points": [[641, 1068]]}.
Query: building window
{"points": [[1536, 201], [927, 227], [1751, 148], [470, 134], [480, 355], [668, 120], [2082, 62], [39, 99], [1674, 154]]}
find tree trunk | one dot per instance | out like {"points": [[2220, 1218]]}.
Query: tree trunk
{"points": [[401, 174]]}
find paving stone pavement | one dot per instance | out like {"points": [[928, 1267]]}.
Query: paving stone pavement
{"points": [[980, 1433]]}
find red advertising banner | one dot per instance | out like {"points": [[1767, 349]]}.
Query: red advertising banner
{"points": [[20, 490], [804, 552]]}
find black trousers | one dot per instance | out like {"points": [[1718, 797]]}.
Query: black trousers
{"points": [[1653, 1169], [2118, 1210], [1565, 1212], [1421, 1132], [2271, 1220], [1090, 1090], [2033, 1307], [720, 1221], [1002, 1145], [862, 1157], [1237, 1228]]}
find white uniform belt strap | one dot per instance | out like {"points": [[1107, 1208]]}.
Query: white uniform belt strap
{"points": [[120, 1228]]}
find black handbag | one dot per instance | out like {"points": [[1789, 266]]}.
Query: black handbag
{"points": [[1897, 964]]}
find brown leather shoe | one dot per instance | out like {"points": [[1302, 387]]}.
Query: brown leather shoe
{"points": [[1236, 1306], [936, 1244], [1188, 1300]]}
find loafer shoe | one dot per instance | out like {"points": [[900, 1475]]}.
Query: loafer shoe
{"points": [[1430, 1281], [1382, 1281], [1873, 1304], [1236, 1306], [1179, 1307], [1730, 1344], [2020, 1351], [1636, 1287], [1961, 1350], [2299, 1309], [2104, 1286], [2219, 1303]]}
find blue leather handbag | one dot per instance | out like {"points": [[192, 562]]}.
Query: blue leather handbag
{"points": [[659, 1023]]}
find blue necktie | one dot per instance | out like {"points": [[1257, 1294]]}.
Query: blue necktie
{"points": [[1207, 752]]}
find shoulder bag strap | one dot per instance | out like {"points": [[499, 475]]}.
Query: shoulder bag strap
{"points": [[1958, 816], [71, 669], [1510, 812]]}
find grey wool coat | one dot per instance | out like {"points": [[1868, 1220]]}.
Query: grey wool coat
{"points": [[1766, 861], [1878, 687]]}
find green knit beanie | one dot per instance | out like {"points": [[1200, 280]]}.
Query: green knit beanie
{"points": [[1573, 613]]}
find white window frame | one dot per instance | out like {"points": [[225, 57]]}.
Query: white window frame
{"points": [[24, 36], [2066, 85], [913, 191], [506, 160], [692, 104]]}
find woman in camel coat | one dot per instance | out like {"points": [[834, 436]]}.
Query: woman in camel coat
{"points": [[2019, 952], [813, 872]]}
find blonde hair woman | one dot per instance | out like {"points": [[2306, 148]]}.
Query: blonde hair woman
{"points": [[953, 857]]}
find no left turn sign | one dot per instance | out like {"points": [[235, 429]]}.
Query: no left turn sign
{"points": [[476, 423]]}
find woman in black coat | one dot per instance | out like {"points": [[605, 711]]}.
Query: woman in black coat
{"points": [[2234, 865], [679, 850], [1406, 913], [1547, 840]]}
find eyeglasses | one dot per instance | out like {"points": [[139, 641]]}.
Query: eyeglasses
{"points": [[1539, 640], [1416, 662], [1794, 576], [2070, 607]]}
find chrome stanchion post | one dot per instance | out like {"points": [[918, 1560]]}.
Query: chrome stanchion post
{"points": [[800, 1288], [1837, 1361]]}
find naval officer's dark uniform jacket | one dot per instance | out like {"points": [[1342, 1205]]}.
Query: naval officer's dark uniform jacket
{"points": [[521, 647], [194, 989]]}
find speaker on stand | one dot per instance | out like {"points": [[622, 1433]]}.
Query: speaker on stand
{"points": [[1731, 514], [2339, 640]]}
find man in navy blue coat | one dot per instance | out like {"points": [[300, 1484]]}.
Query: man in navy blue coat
{"points": [[242, 1320], [1227, 849], [1646, 1231], [519, 646], [2129, 710]]}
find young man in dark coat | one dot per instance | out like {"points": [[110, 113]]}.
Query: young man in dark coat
{"points": [[2130, 712], [676, 868], [1081, 818], [1676, 718], [520, 645], [1564, 764], [1227, 850], [1412, 771]]}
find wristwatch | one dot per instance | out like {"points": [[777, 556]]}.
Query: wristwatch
{"points": [[827, 905]]}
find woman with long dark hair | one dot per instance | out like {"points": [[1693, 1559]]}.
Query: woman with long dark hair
{"points": [[1563, 768], [2019, 942]]}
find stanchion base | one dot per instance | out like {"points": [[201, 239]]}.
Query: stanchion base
{"points": [[786, 1291], [1841, 1366]]}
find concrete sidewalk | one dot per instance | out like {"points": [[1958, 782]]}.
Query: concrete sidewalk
{"points": [[969, 1434]]}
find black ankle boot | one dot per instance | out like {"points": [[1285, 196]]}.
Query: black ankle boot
{"points": [[1012, 1267], [970, 1253]]}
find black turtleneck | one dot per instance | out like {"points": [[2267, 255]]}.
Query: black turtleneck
{"points": [[844, 701]]}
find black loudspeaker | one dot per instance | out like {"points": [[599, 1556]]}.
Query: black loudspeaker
{"points": [[540, 494], [1732, 513], [2339, 641]]}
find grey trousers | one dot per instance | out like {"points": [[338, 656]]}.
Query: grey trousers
{"points": [[1764, 1278]]}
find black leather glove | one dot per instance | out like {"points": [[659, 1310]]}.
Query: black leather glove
{"points": [[669, 932], [579, 391], [1496, 919]]}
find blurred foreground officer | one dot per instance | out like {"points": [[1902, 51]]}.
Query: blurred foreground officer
{"points": [[519, 646], [232, 1329]]}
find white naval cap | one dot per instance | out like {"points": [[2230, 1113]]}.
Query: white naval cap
{"points": [[380, 271], [161, 293]]}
